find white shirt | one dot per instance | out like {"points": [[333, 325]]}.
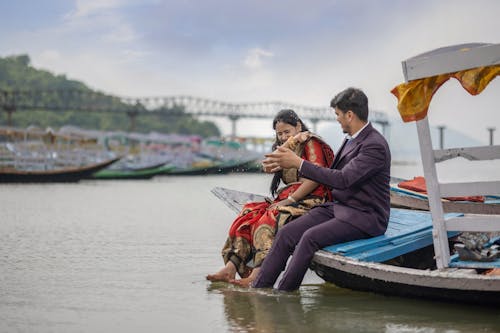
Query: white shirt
{"points": [[355, 135], [348, 137]]}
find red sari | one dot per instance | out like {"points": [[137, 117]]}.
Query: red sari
{"points": [[252, 233]]}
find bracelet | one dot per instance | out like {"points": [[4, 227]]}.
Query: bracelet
{"points": [[291, 199]]}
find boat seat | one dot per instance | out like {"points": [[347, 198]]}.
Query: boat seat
{"points": [[408, 230]]}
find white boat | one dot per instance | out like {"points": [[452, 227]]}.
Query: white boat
{"points": [[413, 259]]}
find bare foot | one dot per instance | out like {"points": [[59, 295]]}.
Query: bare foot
{"points": [[226, 274], [246, 282], [224, 277]]}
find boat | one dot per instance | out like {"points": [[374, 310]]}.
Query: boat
{"points": [[413, 258], [130, 173], [35, 156], [63, 174], [400, 262], [405, 198], [208, 166]]}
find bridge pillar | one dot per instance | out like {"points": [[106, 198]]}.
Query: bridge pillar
{"points": [[233, 119], [132, 116], [491, 130], [441, 136], [9, 110], [315, 122], [385, 130]]}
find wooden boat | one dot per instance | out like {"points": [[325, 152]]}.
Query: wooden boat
{"points": [[401, 262], [413, 258], [140, 173], [63, 174], [404, 198], [215, 167], [35, 155]]}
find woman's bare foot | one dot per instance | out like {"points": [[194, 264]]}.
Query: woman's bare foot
{"points": [[226, 274], [246, 282]]}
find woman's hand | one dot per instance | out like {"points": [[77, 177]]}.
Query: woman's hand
{"points": [[284, 202], [302, 137]]}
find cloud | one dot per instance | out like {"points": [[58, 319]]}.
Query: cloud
{"points": [[49, 57], [255, 58], [122, 33], [255, 51], [90, 7]]}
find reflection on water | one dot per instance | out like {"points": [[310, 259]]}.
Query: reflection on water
{"points": [[326, 308], [131, 256]]}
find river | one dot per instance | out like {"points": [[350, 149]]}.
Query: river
{"points": [[130, 256]]}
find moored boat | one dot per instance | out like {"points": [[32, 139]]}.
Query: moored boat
{"points": [[421, 268], [405, 198], [141, 173], [35, 155], [413, 258], [63, 174], [400, 262]]}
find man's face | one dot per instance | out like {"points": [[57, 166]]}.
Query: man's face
{"points": [[344, 119]]}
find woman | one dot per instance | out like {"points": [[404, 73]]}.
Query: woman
{"points": [[252, 233]]}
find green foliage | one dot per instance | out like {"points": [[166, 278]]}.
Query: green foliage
{"points": [[16, 74]]}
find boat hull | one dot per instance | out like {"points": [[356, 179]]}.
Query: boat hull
{"points": [[404, 201], [63, 175], [143, 173], [450, 285]]}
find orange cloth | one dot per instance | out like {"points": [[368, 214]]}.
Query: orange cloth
{"points": [[415, 96], [417, 184], [494, 271]]}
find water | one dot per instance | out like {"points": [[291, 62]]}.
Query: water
{"points": [[129, 256]]}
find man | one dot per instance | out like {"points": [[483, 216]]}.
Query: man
{"points": [[359, 178]]}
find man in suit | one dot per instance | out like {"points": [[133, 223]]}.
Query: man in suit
{"points": [[359, 178]]}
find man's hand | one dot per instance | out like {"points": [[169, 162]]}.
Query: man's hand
{"points": [[281, 158]]}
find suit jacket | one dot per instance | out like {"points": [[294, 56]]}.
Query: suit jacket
{"points": [[359, 178]]}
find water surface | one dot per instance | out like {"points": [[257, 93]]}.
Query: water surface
{"points": [[129, 256]]}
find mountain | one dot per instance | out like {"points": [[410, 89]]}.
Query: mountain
{"points": [[16, 73], [403, 139]]}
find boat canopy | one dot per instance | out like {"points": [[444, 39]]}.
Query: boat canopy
{"points": [[473, 65]]}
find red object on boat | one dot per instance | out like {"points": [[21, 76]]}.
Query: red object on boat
{"points": [[417, 184]]}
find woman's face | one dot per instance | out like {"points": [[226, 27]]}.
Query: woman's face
{"points": [[284, 131]]}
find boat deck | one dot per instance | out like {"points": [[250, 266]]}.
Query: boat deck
{"points": [[489, 199], [407, 231]]}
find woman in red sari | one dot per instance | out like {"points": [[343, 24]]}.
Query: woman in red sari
{"points": [[252, 233]]}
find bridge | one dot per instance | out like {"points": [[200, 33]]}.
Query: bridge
{"points": [[87, 101]]}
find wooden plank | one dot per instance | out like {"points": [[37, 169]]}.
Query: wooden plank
{"points": [[474, 223], [471, 188], [417, 223], [456, 262], [471, 153], [451, 59], [441, 248], [420, 220]]}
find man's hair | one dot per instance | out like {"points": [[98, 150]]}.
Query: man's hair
{"points": [[352, 99]]}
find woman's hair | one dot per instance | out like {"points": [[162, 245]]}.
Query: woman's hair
{"points": [[287, 116]]}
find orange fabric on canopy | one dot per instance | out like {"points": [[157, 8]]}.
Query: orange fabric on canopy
{"points": [[415, 96]]}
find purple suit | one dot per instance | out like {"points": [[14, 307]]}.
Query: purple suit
{"points": [[359, 178]]}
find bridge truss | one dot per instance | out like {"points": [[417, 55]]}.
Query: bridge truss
{"points": [[86, 101]]}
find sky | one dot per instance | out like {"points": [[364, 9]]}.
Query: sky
{"points": [[300, 52]]}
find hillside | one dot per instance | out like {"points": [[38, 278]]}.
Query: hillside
{"points": [[16, 73]]}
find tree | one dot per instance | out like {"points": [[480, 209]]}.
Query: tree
{"points": [[17, 74]]}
